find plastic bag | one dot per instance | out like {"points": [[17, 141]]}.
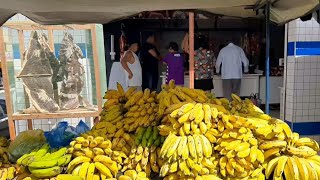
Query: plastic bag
{"points": [[63, 134], [82, 128], [26, 142]]}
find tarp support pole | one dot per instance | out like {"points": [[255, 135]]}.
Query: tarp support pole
{"points": [[267, 70], [191, 50]]}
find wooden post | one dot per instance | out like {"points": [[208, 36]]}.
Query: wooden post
{"points": [[6, 85], [96, 66], [50, 39], [191, 50], [30, 126]]}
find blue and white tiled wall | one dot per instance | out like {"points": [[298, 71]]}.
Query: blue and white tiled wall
{"points": [[302, 106]]}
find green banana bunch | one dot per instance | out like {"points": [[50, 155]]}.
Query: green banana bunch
{"points": [[148, 136], [43, 164], [36, 154]]}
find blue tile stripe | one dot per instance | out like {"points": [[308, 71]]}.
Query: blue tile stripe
{"points": [[82, 46], [305, 48], [290, 49], [305, 128], [16, 50]]}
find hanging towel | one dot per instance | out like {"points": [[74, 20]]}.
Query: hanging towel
{"points": [[117, 75]]}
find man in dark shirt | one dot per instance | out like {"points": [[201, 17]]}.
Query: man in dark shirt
{"points": [[150, 56]]}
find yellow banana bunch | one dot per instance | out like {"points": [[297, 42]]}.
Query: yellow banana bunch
{"points": [[240, 155], [192, 155], [8, 173], [171, 97], [293, 167], [141, 160], [132, 174], [305, 141]]}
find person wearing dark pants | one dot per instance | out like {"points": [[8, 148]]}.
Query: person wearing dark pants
{"points": [[231, 86], [231, 58], [150, 56]]}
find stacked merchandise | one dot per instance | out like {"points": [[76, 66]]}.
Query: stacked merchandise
{"points": [[180, 133]]}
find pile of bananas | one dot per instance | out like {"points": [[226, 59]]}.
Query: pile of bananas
{"points": [[43, 164], [190, 156], [189, 119], [130, 110], [121, 141], [138, 160], [117, 96], [293, 167], [94, 157], [142, 108], [4, 142], [240, 155], [172, 94], [4, 155], [133, 175], [148, 136], [242, 108], [7, 173], [295, 158]]}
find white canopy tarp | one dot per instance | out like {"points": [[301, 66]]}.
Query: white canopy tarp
{"points": [[103, 11]]}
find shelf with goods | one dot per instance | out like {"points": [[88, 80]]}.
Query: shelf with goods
{"points": [[177, 133], [76, 95]]}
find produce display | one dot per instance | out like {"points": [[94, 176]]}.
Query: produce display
{"points": [[43, 164], [94, 157], [4, 156], [180, 133]]}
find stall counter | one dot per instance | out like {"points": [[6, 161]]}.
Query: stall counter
{"points": [[249, 84], [276, 82]]}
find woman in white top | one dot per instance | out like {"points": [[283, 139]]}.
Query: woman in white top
{"points": [[131, 64]]}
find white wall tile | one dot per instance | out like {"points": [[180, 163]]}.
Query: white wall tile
{"points": [[289, 117], [299, 106], [308, 31], [306, 72], [308, 38], [298, 112], [305, 107], [306, 79]]}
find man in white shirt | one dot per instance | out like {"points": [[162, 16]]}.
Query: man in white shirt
{"points": [[231, 58]]}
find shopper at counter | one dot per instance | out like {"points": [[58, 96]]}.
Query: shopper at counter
{"points": [[231, 57], [175, 64], [150, 56], [203, 65], [131, 65]]}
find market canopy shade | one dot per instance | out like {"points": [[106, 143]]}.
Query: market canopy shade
{"points": [[104, 11]]}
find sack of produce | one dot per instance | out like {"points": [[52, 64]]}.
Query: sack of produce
{"points": [[63, 134], [26, 142]]}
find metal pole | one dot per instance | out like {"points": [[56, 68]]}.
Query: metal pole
{"points": [[191, 50], [267, 70]]}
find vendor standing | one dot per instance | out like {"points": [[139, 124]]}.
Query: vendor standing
{"points": [[231, 57], [150, 56], [175, 64], [203, 65], [131, 65]]}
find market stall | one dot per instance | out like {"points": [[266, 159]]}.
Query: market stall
{"points": [[178, 133]]}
